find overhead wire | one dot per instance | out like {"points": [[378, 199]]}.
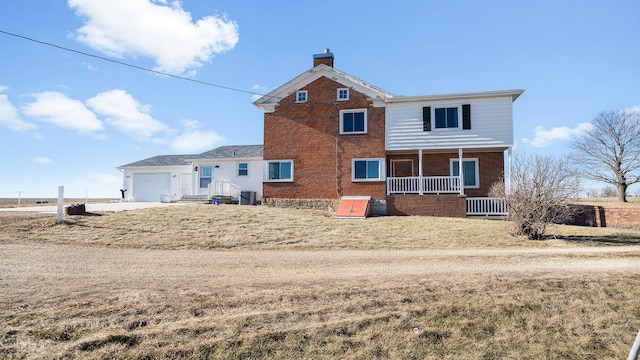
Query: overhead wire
{"points": [[128, 64]]}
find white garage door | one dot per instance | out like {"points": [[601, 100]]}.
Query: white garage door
{"points": [[149, 187]]}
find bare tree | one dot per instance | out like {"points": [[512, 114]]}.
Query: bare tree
{"points": [[610, 150], [539, 194]]}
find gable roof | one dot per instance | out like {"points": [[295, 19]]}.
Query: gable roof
{"points": [[161, 160], [268, 102], [231, 152], [223, 152]]}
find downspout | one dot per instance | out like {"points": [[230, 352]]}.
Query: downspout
{"points": [[338, 163]]}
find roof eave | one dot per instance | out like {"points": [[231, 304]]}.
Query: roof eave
{"points": [[514, 94], [268, 102]]}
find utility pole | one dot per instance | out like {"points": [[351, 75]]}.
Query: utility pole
{"points": [[19, 196]]}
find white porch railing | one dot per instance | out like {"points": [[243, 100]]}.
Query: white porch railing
{"points": [[486, 206], [430, 185], [223, 188]]}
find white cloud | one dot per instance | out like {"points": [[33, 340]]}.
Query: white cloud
{"points": [[544, 138], [164, 32], [194, 140], [41, 160], [9, 115], [127, 115], [258, 89], [60, 110]]}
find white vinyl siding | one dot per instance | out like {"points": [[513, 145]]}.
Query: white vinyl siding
{"points": [[491, 125], [228, 170]]}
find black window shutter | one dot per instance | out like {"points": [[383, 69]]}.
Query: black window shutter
{"points": [[426, 118], [466, 117]]}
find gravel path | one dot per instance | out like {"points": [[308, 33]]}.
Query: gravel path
{"points": [[44, 270]]}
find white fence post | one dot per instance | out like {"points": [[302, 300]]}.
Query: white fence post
{"points": [[635, 349], [60, 204]]}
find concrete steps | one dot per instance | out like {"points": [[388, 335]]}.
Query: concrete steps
{"points": [[194, 199]]}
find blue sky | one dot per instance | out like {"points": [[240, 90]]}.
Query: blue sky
{"points": [[68, 119]]}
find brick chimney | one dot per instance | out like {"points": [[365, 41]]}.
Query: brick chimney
{"points": [[325, 58]]}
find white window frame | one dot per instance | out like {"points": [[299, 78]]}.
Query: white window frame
{"points": [[266, 170], [353, 111], [446, 106], [246, 169], [302, 92], [477, 165], [342, 98], [200, 177], [381, 169]]}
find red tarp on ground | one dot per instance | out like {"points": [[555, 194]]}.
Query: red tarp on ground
{"points": [[353, 207]]}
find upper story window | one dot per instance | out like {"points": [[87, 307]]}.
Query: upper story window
{"points": [[353, 121], [279, 170], [243, 169], [343, 94], [367, 169], [301, 96], [446, 118]]}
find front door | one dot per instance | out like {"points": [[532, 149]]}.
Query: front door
{"points": [[402, 168]]}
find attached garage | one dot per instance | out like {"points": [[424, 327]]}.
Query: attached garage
{"points": [[150, 187]]}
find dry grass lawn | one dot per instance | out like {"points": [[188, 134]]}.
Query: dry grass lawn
{"points": [[262, 228], [234, 282]]}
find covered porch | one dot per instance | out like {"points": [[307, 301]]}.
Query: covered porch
{"points": [[466, 174]]}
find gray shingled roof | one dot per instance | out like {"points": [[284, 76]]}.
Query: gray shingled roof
{"points": [[162, 160], [223, 152], [232, 152]]}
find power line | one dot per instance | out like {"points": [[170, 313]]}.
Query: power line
{"points": [[127, 64]]}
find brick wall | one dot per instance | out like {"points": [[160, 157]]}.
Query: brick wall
{"points": [[309, 133], [451, 205], [606, 216]]}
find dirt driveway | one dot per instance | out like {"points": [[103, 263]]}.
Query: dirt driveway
{"points": [[28, 269]]}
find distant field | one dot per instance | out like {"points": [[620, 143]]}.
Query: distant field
{"points": [[631, 201], [13, 202], [253, 282]]}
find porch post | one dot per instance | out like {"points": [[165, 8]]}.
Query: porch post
{"points": [[508, 184], [461, 171], [420, 186]]}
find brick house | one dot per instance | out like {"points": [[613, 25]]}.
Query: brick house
{"points": [[328, 135]]}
